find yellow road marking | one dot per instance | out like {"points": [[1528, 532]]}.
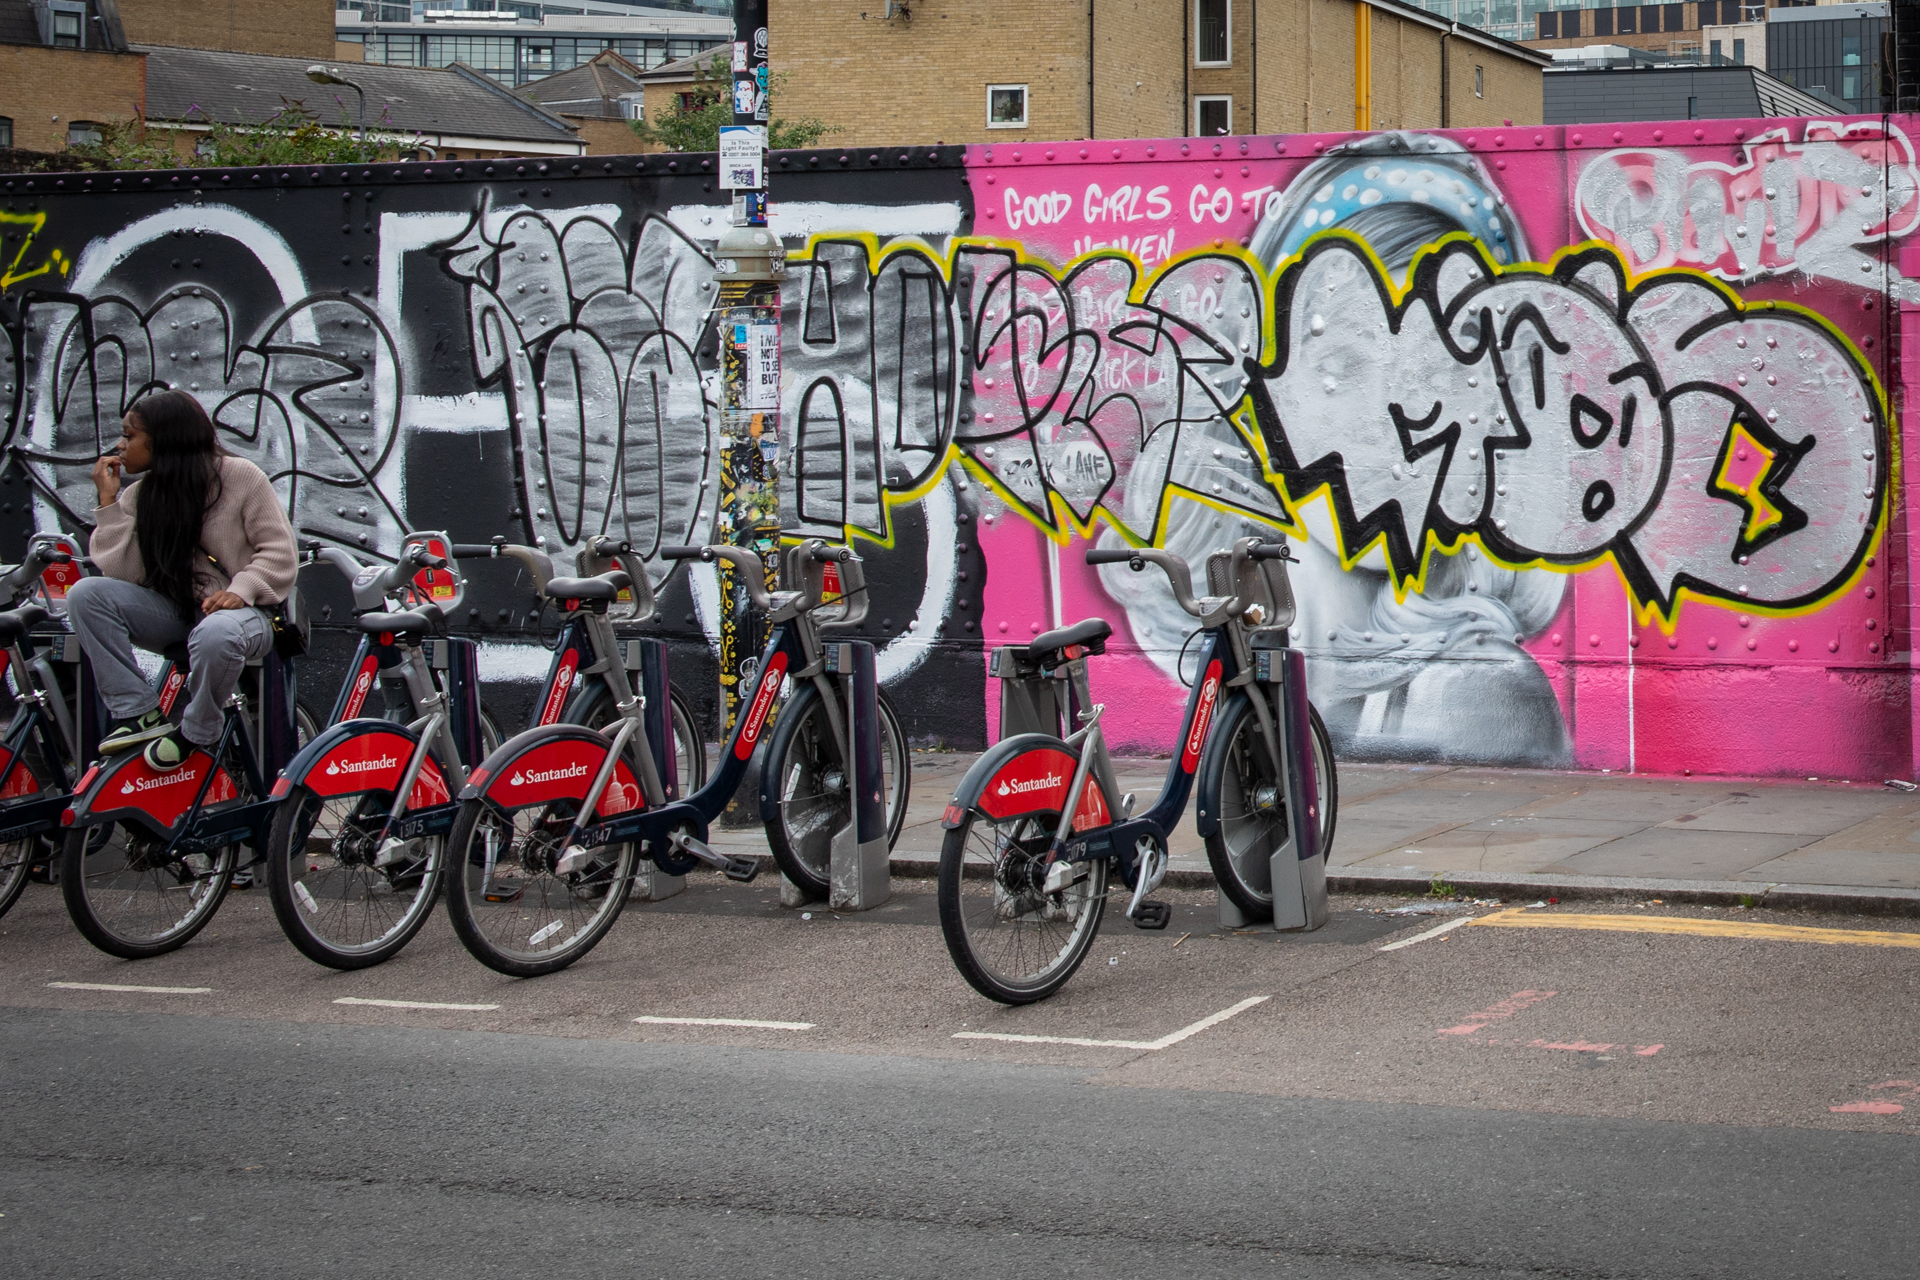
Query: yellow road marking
{"points": [[1521, 918]]}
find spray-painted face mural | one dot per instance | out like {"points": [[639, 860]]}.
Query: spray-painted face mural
{"points": [[1573, 441]]}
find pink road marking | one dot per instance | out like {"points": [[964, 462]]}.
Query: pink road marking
{"points": [[1908, 1087], [1870, 1108], [1647, 1050], [1513, 1004], [1571, 1046]]}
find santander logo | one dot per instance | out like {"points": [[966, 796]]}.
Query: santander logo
{"points": [[136, 785], [1020, 786], [337, 767], [1203, 717], [770, 681], [527, 777], [562, 686], [360, 688]]}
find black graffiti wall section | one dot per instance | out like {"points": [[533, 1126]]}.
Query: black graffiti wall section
{"points": [[520, 349]]}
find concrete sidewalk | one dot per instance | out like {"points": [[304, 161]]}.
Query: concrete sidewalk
{"points": [[1827, 844]]}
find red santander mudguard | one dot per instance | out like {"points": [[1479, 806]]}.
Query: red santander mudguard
{"points": [[128, 789], [551, 763], [363, 755], [1028, 773]]}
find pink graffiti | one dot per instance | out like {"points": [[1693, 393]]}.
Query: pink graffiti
{"points": [[1806, 206]]}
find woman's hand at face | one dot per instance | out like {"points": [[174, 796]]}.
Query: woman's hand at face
{"points": [[106, 479], [222, 600]]}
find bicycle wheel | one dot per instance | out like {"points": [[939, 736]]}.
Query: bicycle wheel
{"points": [[1012, 940], [509, 909], [333, 902], [1253, 806], [132, 900], [595, 710], [810, 786], [18, 856]]}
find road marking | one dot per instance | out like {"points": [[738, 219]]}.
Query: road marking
{"points": [[1869, 1108], [1523, 919], [1477, 1022], [417, 1004], [1434, 932], [121, 986], [727, 1022], [1151, 1046]]}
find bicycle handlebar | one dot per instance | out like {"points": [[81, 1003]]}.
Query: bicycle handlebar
{"points": [[1272, 551], [753, 573], [1176, 570]]}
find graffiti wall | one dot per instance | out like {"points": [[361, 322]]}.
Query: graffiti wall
{"points": [[1586, 439]]}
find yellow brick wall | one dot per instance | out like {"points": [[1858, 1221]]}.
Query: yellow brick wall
{"points": [[292, 28], [607, 137], [1137, 86], [1234, 80], [1513, 89], [348, 51], [925, 80], [45, 89]]}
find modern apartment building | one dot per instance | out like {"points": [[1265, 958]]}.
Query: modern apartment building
{"points": [[516, 48], [1834, 51], [1004, 70]]}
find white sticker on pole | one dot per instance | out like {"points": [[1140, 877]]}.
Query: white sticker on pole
{"points": [[743, 157], [739, 55], [760, 351]]}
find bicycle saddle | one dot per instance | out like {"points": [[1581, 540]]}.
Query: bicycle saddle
{"points": [[427, 617], [606, 586], [1091, 632], [15, 623]]}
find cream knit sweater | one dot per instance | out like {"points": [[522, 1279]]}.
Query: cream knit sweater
{"points": [[245, 529]]}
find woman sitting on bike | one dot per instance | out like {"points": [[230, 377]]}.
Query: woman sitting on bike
{"points": [[194, 549]]}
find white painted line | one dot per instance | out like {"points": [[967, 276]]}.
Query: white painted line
{"points": [[727, 1022], [121, 986], [1434, 932], [417, 1004], [1149, 1046]]}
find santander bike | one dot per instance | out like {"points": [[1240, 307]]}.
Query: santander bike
{"points": [[55, 723], [552, 825], [356, 851], [1037, 827]]}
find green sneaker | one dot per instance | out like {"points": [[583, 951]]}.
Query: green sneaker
{"points": [[131, 733], [168, 753]]}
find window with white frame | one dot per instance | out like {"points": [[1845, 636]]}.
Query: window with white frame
{"points": [[1212, 33], [1006, 106], [68, 22], [1479, 82], [633, 107], [1212, 116], [83, 133]]}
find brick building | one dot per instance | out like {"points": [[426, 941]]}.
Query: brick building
{"points": [[288, 28], [597, 99], [987, 70], [64, 67]]}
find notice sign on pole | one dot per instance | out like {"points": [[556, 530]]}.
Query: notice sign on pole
{"points": [[743, 156], [760, 352]]}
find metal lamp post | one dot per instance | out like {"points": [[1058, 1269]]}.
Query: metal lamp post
{"points": [[320, 75]]}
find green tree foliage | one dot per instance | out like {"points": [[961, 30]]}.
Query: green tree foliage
{"points": [[291, 135], [696, 126]]}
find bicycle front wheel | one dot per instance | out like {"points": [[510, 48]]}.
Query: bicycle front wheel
{"points": [[1253, 806], [509, 908], [333, 899], [15, 859], [812, 796], [130, 899], [1012, 939]]}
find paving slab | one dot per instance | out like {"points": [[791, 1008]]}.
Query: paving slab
{"points": [[1689, 855]]}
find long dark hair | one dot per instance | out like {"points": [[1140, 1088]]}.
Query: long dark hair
{"points": [[176, 489]]}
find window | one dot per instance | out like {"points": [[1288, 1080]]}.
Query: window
{"points": [[82, 133], [1623, 21], [538, 58], [1006, 106], [1479, 82], [1549, 26], [632, 107], [492, 54], [1603, 22], [1713, 56], [1212, 30], [1675, 17], [1212, 117], [6, 132], [1740, 53], [68, 25]]}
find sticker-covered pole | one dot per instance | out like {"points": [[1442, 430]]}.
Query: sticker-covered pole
{"points": [[749, 264]]}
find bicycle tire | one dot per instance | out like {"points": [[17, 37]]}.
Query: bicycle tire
{"points": [[812, 802], [1252, 802], [111, 883], [1009, 866], [17, 857], [593, 709], [316, 906], [485, 926]]}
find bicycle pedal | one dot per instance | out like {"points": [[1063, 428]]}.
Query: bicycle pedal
{"points": [[503, 893], [1153, 915], [741, 869]]}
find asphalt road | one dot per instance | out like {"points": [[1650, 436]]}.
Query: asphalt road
{"points": [[1488, 1102]]}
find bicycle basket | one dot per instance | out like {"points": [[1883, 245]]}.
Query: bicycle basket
{"points": [[1270, 587], [634, 603], [444, 588]]}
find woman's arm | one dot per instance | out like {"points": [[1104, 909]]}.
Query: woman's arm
{"points": [[112, 547]]}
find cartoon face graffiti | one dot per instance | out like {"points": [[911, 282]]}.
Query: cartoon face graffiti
{"points": [[1581, 463]]}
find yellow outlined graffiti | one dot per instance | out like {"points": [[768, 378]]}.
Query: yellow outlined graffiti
{"points": [[15, 272], [1292, 493]]}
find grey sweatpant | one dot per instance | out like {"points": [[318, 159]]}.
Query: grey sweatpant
{"points": [[111, 617]]}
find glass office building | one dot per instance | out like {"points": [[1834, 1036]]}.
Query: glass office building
{"points": [[516, 48], [1831, 51]]}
